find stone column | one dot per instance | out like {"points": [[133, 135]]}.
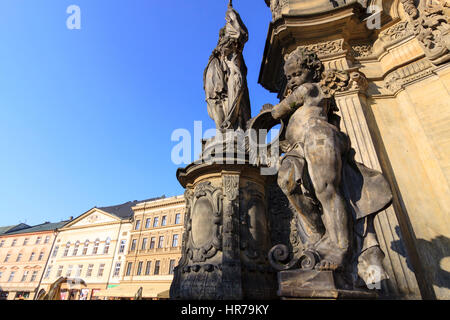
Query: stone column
{"points": [[231, 264], [353, 106]]}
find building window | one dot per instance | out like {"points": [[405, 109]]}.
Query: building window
{"points": [[155, 221], [175, 240], [139, 269], [2, 243], [79, 270], [25, 242], [38, 240], [147, 223], [152, 242], [32, 256], [75, 249], [41, 256], [164, 221], [148, 268], [89, 270], [144, 244], [34, 276], [85, 248], [129, 266], [161, 242], [1, 274], [11, 276], [122, 246], [60, 270], [117, 269], [138, 225], [171, 266], [133, 245], [55, 252], [7, 257], [66, 251], [101, 269], [69, 271], [96, 244], [157, 267], [19, 257], [47, 239], [14, 243], [177, 218], [47, 273], [107, 244], [25, 276]]}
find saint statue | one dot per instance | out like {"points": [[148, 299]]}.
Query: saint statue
{"points": [[225, 77]]}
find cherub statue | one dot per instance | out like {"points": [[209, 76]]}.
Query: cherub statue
{"points": [[225, 77], [335, 198]]}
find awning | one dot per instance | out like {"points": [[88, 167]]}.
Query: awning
{"points": [[149, 290]]}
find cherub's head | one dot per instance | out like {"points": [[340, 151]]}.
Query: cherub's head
{"points": [[302, 66]]}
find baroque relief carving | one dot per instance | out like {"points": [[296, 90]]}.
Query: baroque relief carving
{"points": [[361, 50], [204, 222], [398, 31], [432, 28], [276, 6], [399, 78], [231, 186], [326, 48]]}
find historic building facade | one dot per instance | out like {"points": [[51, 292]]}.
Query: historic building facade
{"points": [[153, 251], [24, 252], [396, 111], [89, 252]]}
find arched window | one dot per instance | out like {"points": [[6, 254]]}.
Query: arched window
{"points": [[96, 244], [41, 256], [85, 248], [107, 244], [75, 249], [32, 256], [66, 251]]}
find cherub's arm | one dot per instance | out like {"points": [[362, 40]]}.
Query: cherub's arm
{"points": [[291, 103]]}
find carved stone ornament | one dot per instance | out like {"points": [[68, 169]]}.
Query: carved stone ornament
{"points": [[231, 186], [326, 48], [361, 50], [398, 31], [432, 28], [397, 79], [276, 6], [205, 219]]}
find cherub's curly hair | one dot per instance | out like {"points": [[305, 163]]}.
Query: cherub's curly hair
{"points": [[306, 59]]}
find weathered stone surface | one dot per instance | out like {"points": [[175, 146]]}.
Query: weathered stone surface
{"points": [[225, 77]]}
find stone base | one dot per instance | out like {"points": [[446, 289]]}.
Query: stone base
{"points": [[313, 284]]}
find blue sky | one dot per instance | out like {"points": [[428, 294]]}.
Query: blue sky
{"points": [[86, 116]]}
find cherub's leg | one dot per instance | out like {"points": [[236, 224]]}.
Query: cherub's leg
{"points": [[324, 165], [289, 184]]}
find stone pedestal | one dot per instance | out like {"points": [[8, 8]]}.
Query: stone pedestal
{"points": [[313, 284], [226, 239]]}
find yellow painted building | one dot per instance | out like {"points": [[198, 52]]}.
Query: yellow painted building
{"points": [[154, 249]]}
